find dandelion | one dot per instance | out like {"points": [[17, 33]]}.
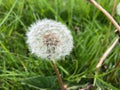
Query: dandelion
{"points": [[118, 9], [50, 40]]}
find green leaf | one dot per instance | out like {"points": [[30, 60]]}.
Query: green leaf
{"points": [[107, 84], [40, 82]]}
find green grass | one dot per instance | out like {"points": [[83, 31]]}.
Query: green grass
{"points": [[20, 70]]}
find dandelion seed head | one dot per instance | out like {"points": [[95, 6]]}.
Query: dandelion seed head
{"points": [[118, 9], [49, 39]]}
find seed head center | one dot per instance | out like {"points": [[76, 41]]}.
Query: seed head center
{"points": [[51, 42]]}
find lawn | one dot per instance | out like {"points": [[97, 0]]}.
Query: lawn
{"points": [[92, 32]]}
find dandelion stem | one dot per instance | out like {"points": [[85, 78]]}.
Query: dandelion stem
{"points": [[106, 13], [58, 75]]}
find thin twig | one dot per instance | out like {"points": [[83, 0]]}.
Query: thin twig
{"points": [[115, 24], [108, 51], [106, 13], [58, 76]]}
